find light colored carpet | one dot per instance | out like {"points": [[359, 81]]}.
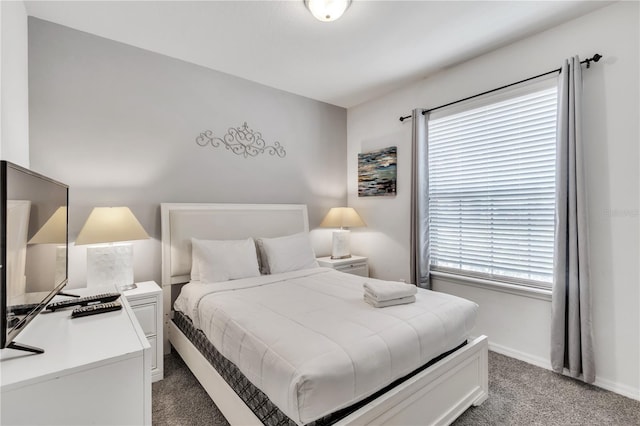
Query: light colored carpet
{"points": [[519, 394], [523, 394], [179, 399]]}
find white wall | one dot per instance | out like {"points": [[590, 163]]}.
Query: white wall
{"points": [[519, 325], [14, 83], [119, 124]]}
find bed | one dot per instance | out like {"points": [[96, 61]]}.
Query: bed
{"points": [[452, 369]]}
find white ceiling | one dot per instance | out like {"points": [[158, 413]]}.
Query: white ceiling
{"points": [[376, 47]]}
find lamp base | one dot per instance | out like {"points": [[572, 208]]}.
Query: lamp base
{"points": [[341, 257], [110, 265], [126, 287], [340, 246]]}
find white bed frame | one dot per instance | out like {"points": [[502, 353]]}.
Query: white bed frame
{"points": [[437, 395]]}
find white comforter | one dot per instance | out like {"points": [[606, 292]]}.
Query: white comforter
{"points": [[310, 342]]}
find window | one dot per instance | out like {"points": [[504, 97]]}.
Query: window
{"points": [[492, 188]]}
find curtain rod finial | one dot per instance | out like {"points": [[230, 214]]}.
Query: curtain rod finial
{"points": [[594, 58]]}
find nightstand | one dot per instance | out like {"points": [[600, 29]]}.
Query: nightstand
{"points": [[356, 265], [146, 303]]}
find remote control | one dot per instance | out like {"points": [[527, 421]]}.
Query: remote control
{"points": [[22, 309], [95, 309], [83, 301], [12, 320]]}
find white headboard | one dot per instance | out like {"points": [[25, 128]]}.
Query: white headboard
{"points": [[182, 221]]}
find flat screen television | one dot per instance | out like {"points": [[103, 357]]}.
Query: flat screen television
{"points": [[33, 247]]}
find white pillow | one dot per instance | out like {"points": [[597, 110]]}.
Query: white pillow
{"points": [[290, 253], [224, 260]]}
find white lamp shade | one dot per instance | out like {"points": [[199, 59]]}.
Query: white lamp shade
{"points": [[342, 217], [54, 230], [327, 10], [111, 224]]}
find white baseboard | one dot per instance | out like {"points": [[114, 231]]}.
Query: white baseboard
{"points": [[612, 386], [522, 356], [607, 384]]}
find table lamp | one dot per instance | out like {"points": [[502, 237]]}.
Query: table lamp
{"points": [[112, 263], [341, 217]]}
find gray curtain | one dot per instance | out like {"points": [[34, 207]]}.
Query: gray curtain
{"points": [[571, 331], [419, 240]]}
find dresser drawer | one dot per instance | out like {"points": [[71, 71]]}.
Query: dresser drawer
{"points": [[146, 315]]}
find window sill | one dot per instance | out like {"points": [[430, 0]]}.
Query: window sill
{"points": [[535, 293]]}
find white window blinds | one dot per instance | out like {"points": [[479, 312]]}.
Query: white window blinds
{"points": [[491, 189]]}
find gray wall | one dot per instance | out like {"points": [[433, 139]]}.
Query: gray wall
{"points": [[118, 124], [14, 88]]}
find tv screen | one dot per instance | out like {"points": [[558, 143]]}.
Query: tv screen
{"points": [[34, 247]]}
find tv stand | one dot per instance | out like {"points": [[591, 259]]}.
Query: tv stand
{"points": [[102, 363], [26, 348]]}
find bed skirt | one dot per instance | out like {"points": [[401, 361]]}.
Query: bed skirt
{"points": [[254, 398]]}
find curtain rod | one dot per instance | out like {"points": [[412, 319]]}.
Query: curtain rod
{"points": [[594, 58]]}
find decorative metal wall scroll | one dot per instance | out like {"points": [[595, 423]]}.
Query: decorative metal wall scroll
{"points": [[242, 141]]}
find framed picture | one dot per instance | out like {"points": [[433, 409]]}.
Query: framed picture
{"points": [[377, 172]]}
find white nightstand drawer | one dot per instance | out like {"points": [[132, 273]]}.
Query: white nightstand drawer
{"points": [[356, 265], [146, 303], [361, 269], [146, 315]]}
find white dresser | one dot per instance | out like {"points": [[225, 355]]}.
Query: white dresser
{"points": [[95, 370]]}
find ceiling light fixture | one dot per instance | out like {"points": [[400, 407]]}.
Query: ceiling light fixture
{"points": [[327, 10]]}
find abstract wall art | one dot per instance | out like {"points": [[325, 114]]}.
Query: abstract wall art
{"points": [[377, 172]]}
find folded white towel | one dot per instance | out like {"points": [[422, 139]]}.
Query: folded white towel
{"points": [[392, 302], [388, 290]]}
